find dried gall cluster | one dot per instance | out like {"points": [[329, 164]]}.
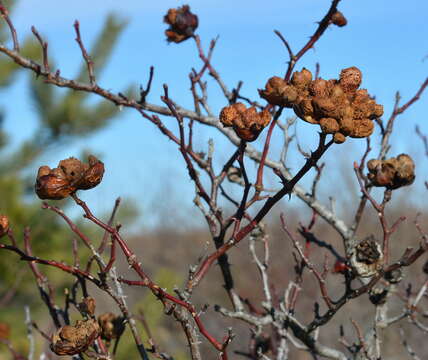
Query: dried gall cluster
{"points": [[247, 123], [392, 173], [367, 257], [4, 225], [71, 340], [182, 24], [338, 106], [70, 175]]}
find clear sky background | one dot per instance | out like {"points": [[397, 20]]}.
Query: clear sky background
{"points": [[387, 40]]}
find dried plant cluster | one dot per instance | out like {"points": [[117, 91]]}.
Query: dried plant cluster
{"points": [[338, 106], [279, 327], [392, 173], [70, 175], [247, 123]]}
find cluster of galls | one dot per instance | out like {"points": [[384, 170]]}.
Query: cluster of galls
{"points": [[182, 24], [70, 175], [338, 106], [247, 123], [71, 340], [392, 173]]}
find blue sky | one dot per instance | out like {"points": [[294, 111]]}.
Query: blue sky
{"points": [[387, 40]]}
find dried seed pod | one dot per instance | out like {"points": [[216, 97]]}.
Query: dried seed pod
{"points": [[329, 125], [319, 88], [70, 175], [350, 79], [182, 24], [362, 128], [366, 257], [339, 19], [277, 92], [392, 173], [323, 107], [87, 306], [93, 174], [53, 186], [4, 225], [301, 79], [405, 170], [339, 138], [71, 340], [377, 296], [112, 326], [247, 123], [4, 331]]}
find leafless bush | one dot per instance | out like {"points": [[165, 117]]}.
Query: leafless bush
{"points": [[276, 322]]}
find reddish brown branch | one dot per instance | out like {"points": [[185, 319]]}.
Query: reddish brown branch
{"points": [[5, 15], [88, 60]]}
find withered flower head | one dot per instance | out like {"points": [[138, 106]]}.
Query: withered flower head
{"points": [[4, 331], [247, 123], [71, 340], [339, 19], [182, 24], [366, 257], [392, 173], [112, 326], [338, 106], [70, 175], [87, 306], [4, 225]]}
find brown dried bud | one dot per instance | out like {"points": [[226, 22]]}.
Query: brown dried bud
{"points": [[182, 24], [4, 225], [87, 306], [112, 326], [350, 79], [319, 88], [377, 296], [339, 138], [366, 258], [301, 79], [362, 128], [392, 173], [70, 175], [4, 331], [339, 19], [53, 186], [329, 125], [277, 92], [323, 107], [71, 340], [247, 123]]}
